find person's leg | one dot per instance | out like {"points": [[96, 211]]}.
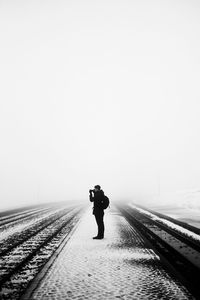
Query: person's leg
{"points": [[100, 224], [97, 221]]}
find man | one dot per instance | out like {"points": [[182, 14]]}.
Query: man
{"points": [[97, 196]]}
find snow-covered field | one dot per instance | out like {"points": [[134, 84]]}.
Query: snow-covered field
{"points": [[184, 206]]}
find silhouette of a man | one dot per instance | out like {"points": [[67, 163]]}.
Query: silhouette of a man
{"points": [[96, 196]]}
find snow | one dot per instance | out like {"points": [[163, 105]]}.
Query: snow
{"points": [[168, 223]]}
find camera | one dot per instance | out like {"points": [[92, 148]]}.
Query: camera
{"points": [[91, 191]]}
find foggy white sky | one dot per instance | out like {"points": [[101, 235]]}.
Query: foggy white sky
{"points": [[98, 92]]}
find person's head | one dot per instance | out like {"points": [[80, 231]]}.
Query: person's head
{"points": [[97, 188]]}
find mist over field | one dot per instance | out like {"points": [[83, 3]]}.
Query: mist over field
{"points": [[100, 92]]}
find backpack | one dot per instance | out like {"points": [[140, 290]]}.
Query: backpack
{"points": [[105, 202]]}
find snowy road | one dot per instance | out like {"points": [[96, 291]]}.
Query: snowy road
{"points": [[122, 266]]}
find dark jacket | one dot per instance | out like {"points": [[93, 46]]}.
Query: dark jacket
{"points": [[97, 198]]}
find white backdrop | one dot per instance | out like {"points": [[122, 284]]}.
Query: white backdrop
{"points": [[98, 92]]}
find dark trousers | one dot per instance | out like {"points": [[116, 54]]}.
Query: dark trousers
{"points": [[100, 223]]}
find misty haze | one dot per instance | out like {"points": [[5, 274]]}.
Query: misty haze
{"points": [[100, 149], [99, 93]]}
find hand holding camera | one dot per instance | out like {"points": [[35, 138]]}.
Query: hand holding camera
{"points": [[91, 191]]}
